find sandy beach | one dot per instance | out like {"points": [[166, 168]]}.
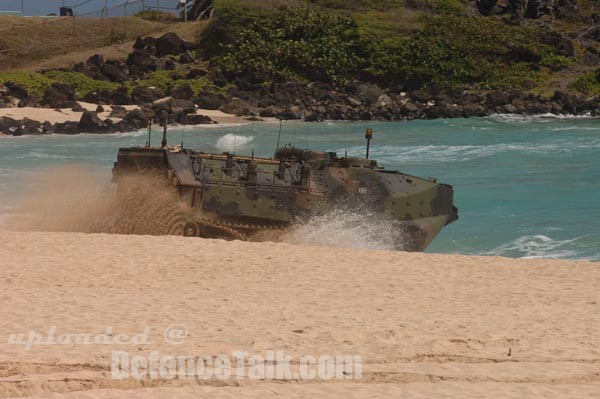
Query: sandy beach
{"points": [[424, 325], [68, 115]]}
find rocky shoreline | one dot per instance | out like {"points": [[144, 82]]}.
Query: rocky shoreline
{"points": [[252, 97]]}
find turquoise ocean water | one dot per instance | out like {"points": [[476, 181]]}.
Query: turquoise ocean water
{"points": [[524, 186]]}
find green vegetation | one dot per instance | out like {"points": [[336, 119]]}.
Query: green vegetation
{"points": [[154, 15], [587, 84], [164, 81], [440, 47], [115, 37], [556, 62], [34, 39], [35, 83], [478, 52], [297, 43], [82, 83]]}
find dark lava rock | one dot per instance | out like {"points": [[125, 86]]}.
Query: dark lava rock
{"points": [[146, 95], [90, 123], [421, 95], [197, 119], [120, 97], [168, 65], [564, 45], [196, 73], [141, 62], [522, 54], [28, 127], [78, 108], [236, 106], [272, 111], [6, 124], [408, 108], [180, 109], [292, 113], [96, 59], [118, 112], [170, 44], [137, 119], [17, 91], [59, 95], [99, 109], [139, 43], [497, 98], [532, 9], [69, 127], [114, 73], [183, 92], [92, 97], [186, 58]]}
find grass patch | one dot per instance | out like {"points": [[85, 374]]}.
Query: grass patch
{"points": [[296, 43], [82, 83], [35, 83], [154, 15], [163, 81], [587, 84], [474, 52]]}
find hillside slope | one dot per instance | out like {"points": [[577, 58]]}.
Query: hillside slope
{"points": [[34, 43]]}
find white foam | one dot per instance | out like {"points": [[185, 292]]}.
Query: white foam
{"points": [[519, 118], [454, 153], [233, 142], [347, 229], [536, 246], [189, 128]]}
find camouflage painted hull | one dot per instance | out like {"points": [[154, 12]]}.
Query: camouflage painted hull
{"points": [[227, 196]]}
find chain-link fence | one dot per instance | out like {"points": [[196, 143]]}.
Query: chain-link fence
{"points": [[24, 40]]}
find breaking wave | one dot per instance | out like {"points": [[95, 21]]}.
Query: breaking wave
{"points": [[233, 142], [536, 246], [517, 118], [452, 153]]}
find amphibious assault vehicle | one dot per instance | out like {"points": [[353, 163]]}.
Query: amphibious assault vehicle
{"points": [[239, 197]]}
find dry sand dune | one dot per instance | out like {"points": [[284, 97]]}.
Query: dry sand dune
{"points": [[424, 325]]}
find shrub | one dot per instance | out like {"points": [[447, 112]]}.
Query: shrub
{"points": [[479, 52], [33, 82], [556, 62], [296, 43], [154, 15], [163, 81], [587, 84], [115, 37], [82, 83]]}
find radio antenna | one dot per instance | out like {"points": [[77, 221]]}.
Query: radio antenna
{"points": [[253, 140], [346, 145], [368, 136], [294, 136], [279, 135], [149, 132], [164, 139], [306, 138]]}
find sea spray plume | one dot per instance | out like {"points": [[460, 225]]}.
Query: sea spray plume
{"points": [[231, 142], [69, 198], [346, 228], [80, 199]]}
